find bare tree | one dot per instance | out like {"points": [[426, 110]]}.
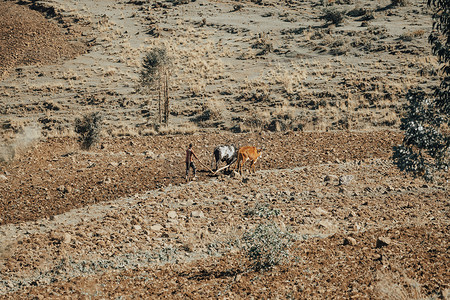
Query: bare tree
{"points": [[155, 74]]}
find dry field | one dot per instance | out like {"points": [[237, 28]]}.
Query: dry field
{"points": [[119, 221]]}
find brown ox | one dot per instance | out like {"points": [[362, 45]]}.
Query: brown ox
{"points": [[248, 153]]}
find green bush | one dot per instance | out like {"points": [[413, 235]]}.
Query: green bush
{"points": [[266, 246], [426, 122]]}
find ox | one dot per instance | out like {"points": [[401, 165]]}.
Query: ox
{"points": [[227, 153], [248, 153]]}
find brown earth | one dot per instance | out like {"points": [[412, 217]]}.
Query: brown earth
{"points": [[183, 240], [55, 176], [119, 220], [28, 38]]}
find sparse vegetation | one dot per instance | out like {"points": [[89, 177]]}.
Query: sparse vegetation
{"points": [[399, 2], [266, 246], [88, 127], [263, 210], [119, 220], [333, 16], [155, 71]]}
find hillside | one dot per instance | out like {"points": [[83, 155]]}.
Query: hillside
{"points": [[120, 221]]}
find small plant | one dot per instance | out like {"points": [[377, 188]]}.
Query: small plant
{"points": [[333, 16], [266, 246], [88, 128], [399, 2], [262, 210], [167, 254], [237, 7]]}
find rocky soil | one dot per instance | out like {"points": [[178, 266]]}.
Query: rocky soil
{"points": [[361, 228], [120, 221], [28, 38]]}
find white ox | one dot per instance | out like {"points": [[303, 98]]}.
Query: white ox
{"points": [[227, 153]]}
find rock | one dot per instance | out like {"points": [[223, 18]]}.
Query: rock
{"points": [[3, 178], [345, 179], [325, 224], [156, 227], [60, 237], [172, 222], [172, 214], [188, 247], [137, 227], [349, 241], [62, 189], [319, 211], [235, 174], [351, 214], [197, 214], [101, 233], [149, 154], [382, 242], [67, 238], [114, 164], [329, 178]]}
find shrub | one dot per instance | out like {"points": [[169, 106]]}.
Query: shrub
{"points": [[333, 16], [88, 128], [262, 210], [399, 2], [266, 246]]}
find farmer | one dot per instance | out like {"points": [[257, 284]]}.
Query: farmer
{"points": [[190, 160]]}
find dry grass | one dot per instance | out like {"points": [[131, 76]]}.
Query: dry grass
{"points": [[185, 128]]}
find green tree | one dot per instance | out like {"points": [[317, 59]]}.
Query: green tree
{"points": [[155, 73], [426, 123]]}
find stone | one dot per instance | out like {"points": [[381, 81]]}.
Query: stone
{"points": [[149, 154], [329, 178], [235, 174], [349, 241], [319, 211], [3, 178], [101, 233], [172, 214], [325, 224], [62, 189], [156, 227], [197, 214], [345, 179], [137, 227], [382, 242], [67, 238], [60, 237]]}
